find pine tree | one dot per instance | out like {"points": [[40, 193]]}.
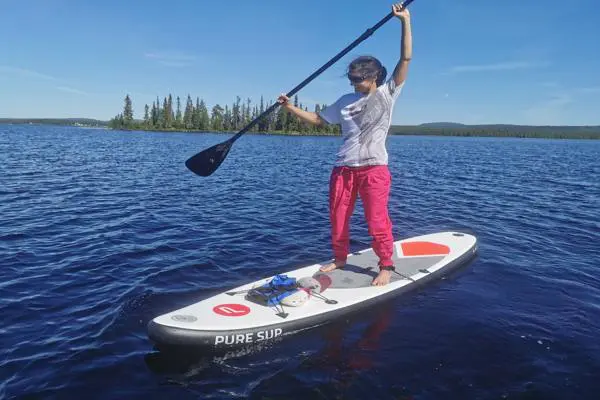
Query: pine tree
{"points": [[272, 118], [235, 115], [204, 119], [188, 114], [264, 122], [169, 115], [281, 121], [128, 112], [159, 114], [178, 117], [247, 115], [153, 115], [146, 116], [255, 115], [227, 119], [165, 114], [242, 116], [217, 118], [196, 115]]}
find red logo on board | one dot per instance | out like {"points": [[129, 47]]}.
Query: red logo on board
{"points": [[232, 310]]}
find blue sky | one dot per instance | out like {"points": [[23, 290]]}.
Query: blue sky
{"points": [[484, 61]]}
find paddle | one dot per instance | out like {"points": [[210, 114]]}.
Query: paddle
{"points": [[207, 161]]}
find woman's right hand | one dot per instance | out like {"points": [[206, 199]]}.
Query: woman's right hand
{"points": [[284, 100]]}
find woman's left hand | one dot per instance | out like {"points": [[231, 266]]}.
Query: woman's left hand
{"points": [[400, 12]]}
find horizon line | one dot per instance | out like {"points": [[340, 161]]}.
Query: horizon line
{"points": [[456, 124]]}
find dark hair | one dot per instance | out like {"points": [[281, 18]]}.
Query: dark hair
{"points": [[369, 67]]}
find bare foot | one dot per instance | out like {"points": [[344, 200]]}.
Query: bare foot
{"points": [[332, 266], [383, 278]]}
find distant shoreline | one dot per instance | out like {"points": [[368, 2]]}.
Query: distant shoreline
{"points": [[428, 129]]}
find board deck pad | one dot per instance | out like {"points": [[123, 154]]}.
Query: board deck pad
{"points": [[363, 269]]}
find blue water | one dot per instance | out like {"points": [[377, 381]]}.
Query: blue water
{"points": [[101, 231]]}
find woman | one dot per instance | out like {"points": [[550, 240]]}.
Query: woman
{"points": [[361, 167]]}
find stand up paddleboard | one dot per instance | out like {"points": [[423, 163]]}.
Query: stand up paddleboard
{"points": [[229, 320]]}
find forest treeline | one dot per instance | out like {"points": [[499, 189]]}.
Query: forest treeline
{"points": [[521, 131], [56, 121], [172, 114]]}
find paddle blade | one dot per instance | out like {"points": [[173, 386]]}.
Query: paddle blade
{"points": [[207, 161]]}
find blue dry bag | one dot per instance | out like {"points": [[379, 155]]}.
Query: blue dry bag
{"points": [[272, 292]]}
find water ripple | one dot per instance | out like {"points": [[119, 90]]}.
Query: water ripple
{"points": [[103, 230]]}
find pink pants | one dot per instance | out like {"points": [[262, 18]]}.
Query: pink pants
{"points": [[372, 184]]}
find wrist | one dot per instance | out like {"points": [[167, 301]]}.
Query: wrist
{"points": [[404, 18]]}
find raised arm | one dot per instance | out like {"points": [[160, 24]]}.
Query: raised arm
{"points": [[401, 70]]}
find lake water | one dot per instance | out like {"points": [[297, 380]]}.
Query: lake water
{"points": [[103, 230]]}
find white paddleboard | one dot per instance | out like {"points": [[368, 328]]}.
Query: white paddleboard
{"points": [[229, 320]]}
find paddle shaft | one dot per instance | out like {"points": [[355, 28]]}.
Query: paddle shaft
{"points": [[318, 72]]}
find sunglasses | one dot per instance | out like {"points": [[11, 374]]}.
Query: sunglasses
{"points": [[357, 78]]}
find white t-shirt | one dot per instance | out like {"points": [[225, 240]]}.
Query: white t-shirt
{"points": [[365, 122]]}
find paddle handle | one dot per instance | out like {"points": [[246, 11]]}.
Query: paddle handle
{"points": [[318, 72]]}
